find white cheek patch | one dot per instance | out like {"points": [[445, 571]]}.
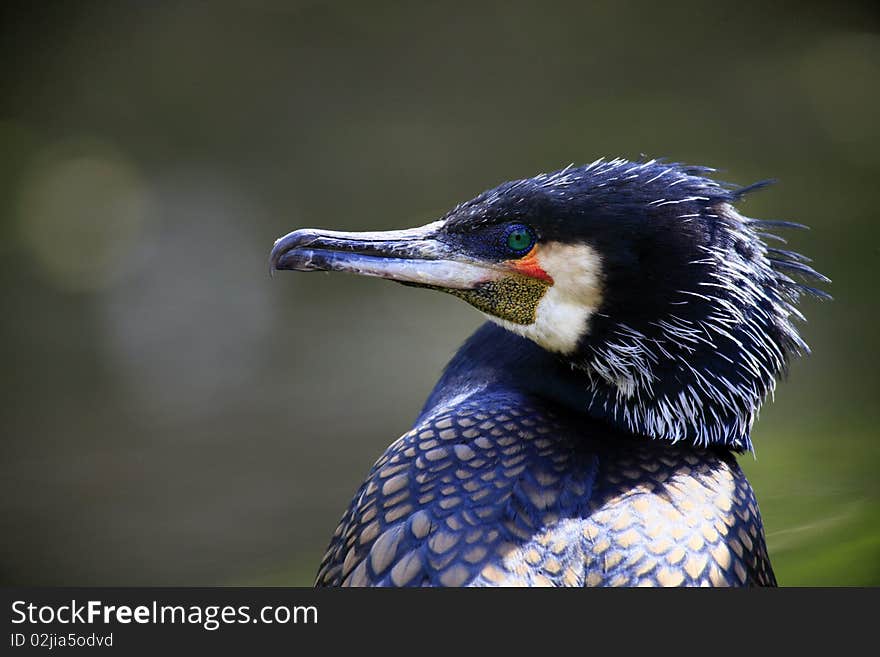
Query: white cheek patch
{"points": [[563, 313]]}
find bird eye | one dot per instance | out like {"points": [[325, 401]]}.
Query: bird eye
{"points": [[519, 239]]}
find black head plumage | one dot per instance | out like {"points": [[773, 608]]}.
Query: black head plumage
{"points": [[669, 308], [696, 318]]}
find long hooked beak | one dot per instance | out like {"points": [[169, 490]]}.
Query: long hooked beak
{"points": [[415, 257]]}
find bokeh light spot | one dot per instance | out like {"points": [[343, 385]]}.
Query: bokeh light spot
{"points": [[81, 209]]}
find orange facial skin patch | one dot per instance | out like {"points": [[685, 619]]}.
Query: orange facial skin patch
{"points": [[528, 266]]}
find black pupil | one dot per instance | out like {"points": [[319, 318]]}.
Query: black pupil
{"points": [[519, 239]]}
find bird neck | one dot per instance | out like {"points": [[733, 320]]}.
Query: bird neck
{"points": [[672, 409]]}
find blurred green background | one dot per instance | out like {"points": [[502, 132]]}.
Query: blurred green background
{"points": [[171, 415]]}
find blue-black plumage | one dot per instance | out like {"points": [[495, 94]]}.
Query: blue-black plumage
{"points": [[588, 434]]}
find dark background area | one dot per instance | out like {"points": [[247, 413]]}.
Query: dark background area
{"points": [[172, 415]]}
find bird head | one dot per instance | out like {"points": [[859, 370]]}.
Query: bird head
{"points": [[643, 277]]}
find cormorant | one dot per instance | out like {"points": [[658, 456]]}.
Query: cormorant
{"points": [[586, 435]]}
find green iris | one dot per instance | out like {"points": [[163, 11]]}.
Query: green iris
{"points": [[520, 239]]}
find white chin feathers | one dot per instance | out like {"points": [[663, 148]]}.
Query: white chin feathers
{"points": [[562, 316]]}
